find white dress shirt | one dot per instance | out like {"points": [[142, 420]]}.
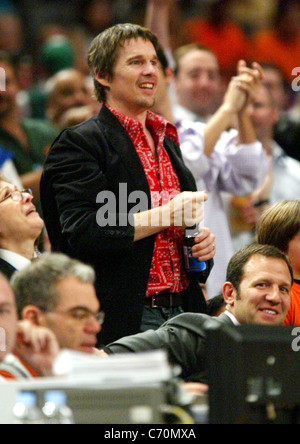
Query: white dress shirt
{"points": [[232, 317], [286, 176], [14, 259], [237, 169], [285, 186]]}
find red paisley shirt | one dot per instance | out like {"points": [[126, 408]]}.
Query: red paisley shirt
{"points": [[167, 271]]}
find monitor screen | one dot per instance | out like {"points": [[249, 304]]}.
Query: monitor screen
{"points": [[254, 374]]}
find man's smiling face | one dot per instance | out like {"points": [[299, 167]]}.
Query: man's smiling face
{"points": [[135, 77], [264, 293]]}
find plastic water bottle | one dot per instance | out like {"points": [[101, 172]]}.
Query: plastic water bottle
{"points": [[192, 264], [56, 410], [26, 411]]}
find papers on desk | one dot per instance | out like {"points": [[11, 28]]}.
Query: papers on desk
{"points": [[123, 369]]}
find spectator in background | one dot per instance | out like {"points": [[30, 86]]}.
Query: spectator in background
{"points": [[278, 87], [197, 83], [57, 53], [27, 139], [197, 80], [224, 161], [283, 179], [220, 33], [29, 350], [20, 228], [281, 43], [68, 89], [96, 16], [11, 31], [287, 129], [279, 226], [58, 293]]}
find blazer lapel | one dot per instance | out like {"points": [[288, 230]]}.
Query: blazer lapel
{"points": [[186, 179], [122, 144]]}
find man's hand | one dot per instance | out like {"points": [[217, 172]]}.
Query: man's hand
{"points": [[205, 246], [186, 209], [243, 86], [37, 347], [256, 72], [183, 211]]}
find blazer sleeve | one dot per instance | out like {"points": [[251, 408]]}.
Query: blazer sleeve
{"points": [[185, 347], [72, 179]]}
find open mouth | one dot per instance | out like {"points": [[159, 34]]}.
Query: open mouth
{"points": [[269, 312], [30, 211], [147, 86]]}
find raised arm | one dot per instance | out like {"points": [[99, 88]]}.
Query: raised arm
{"points": [[161, 9], [234, 105]]}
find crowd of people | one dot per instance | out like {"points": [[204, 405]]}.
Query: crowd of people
{"points": [[115, 152]]}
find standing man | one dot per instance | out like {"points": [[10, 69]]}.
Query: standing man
{"points": [[116, 193]]}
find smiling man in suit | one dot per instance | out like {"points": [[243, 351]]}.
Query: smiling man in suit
{"points": [[99, 189], [257, 292]]}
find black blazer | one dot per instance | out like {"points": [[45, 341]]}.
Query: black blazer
{"points": [[183, 337], [85, 160], [6, 269]]}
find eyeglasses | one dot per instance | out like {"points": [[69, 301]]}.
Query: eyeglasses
{"points": [[16, 195], [83, 315]]}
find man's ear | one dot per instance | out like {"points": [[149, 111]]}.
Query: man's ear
{"points": [[102, 80], [33, 314], [229, 293]]}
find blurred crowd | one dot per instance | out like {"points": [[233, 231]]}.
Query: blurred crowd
{"points": [[227, 79]]}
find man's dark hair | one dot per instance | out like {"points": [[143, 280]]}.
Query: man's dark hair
{"points": [[215, 305], [235, 270], [104, 51]]}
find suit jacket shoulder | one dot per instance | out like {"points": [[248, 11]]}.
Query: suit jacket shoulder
{"points": [[183, 337]]}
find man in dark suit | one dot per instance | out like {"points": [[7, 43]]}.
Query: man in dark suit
{"points": [[257, 291], [104, 190]]}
